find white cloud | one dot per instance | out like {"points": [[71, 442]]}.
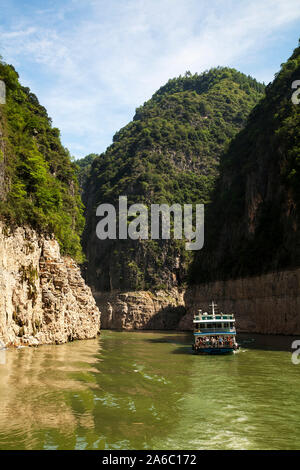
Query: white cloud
{"points": [[94, 61]]}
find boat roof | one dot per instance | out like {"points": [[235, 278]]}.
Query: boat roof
{"points": [[215, 333]]}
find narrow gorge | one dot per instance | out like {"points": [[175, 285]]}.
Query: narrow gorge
{"points": [[243, 164], [221, 139]]}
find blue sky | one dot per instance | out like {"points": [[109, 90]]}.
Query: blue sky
{"points": [[92, 62]]}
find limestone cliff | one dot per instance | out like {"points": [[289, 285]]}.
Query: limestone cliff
{"points": [[269, 303], [141, 309], [43, 298]]}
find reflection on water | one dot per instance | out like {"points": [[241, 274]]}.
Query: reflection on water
{"points": [[145, 390]]}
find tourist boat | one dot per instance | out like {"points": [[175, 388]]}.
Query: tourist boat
{"points": [[214, 333]]}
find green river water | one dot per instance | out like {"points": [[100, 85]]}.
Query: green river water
{"points": [[146, 390]]}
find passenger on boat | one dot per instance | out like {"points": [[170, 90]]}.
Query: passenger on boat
{"points": [[215, 342]]}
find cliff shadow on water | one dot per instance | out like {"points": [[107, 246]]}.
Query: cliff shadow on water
{"points": [[182, 341], [267, 342]]}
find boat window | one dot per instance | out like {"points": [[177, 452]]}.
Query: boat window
{"points": [[218, 325], [226, 325]]}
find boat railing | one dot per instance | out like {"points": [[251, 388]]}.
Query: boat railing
{"points": [[203, 318]]}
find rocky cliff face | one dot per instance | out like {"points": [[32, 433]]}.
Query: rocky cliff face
{"points": [[253, 222], [43, 298], [268, 304], [141, 309]]}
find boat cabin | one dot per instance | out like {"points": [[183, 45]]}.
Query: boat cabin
{"points": [[214, 330]]}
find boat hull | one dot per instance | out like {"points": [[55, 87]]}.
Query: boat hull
{"points": [[215, 351]]}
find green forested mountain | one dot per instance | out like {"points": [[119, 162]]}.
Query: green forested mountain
{"points": [[169, 153], [253, 224], [38, 185]]}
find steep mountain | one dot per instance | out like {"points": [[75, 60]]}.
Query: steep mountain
{"points": [[37, 177], [43, 297], [169, 154], [253, 224]]}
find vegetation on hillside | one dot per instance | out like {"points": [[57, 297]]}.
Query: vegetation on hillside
{"points": [[38, 182], [169, 153]]}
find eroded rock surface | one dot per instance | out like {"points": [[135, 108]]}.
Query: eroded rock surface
{"points": [[44, 298], [141, 309], [268, 304]]}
